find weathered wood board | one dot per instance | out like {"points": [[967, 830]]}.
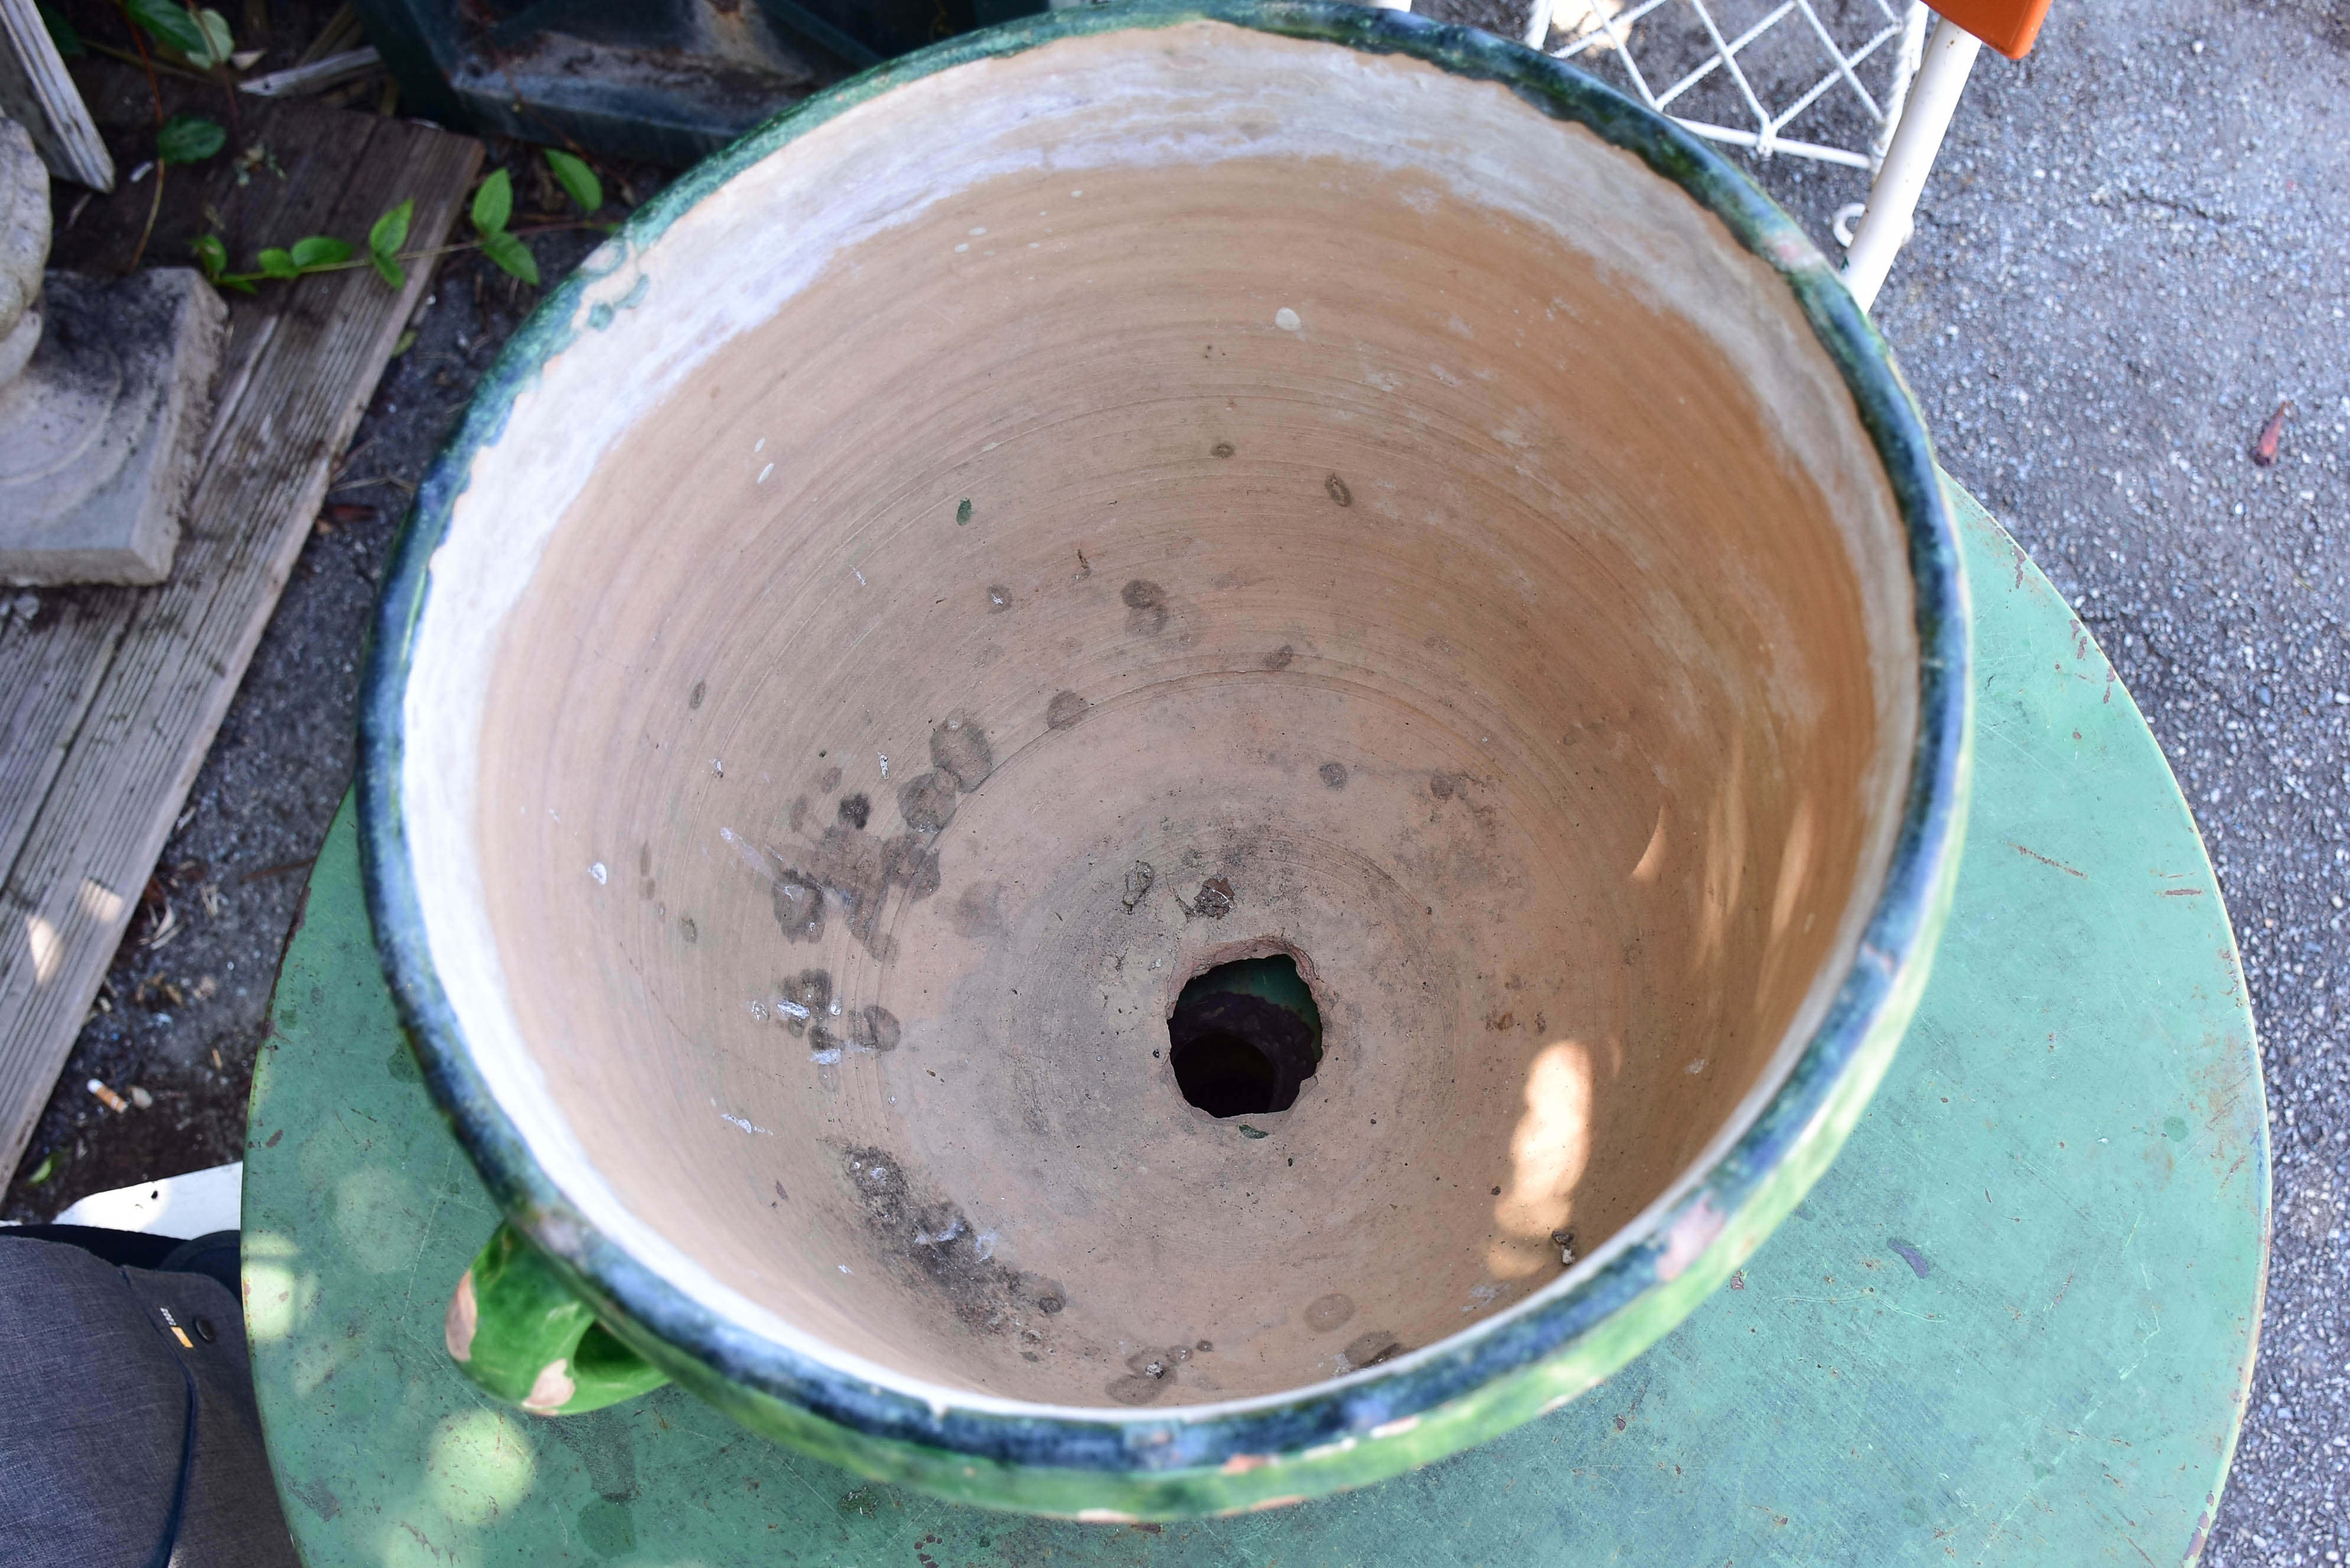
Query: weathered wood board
{"points": [[109, 698], [37, 92]]}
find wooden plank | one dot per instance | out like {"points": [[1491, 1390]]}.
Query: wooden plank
{"points": [[53, 667], [54, 656], [300, 365], [35, 92]]}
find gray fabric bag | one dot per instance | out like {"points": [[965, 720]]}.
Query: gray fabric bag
{"points": [[128, 1430]]}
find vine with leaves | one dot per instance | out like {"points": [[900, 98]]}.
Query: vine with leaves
{"points": [[198, 38], [492, 208]]}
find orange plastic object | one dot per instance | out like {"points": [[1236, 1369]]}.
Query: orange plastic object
{"points": [[2008, 25]]}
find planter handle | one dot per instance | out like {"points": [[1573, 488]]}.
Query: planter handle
{"points": [[519, 1331]]}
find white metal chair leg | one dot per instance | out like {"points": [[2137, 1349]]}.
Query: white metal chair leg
{"points": [[1912, 54], [1893, 197]]}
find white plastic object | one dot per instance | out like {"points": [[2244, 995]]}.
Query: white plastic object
{"points": [[195, 1204]]}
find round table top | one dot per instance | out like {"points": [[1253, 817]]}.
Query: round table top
{"points": [[2015, 1322]]}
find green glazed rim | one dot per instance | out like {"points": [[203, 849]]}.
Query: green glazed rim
{"points": [[1379, 1422]]}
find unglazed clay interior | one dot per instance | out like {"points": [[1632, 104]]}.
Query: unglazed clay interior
{"points": [[1406, 525]]}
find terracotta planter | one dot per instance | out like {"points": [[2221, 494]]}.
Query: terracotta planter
{"points": [[1100, 499]]}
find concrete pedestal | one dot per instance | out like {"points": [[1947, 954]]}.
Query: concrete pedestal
{"points": [[99, 432], [106, 389]]}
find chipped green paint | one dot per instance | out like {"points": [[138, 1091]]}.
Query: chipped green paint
{"points": [[601, 313], [962, 513], [2014, 1324], [519, 1332]]}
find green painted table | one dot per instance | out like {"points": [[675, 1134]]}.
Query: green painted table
{"points": [[2014, 1323]]}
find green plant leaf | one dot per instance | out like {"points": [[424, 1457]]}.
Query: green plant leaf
{"points": [[210, 254], [494, 205], [579, 181], [48, 1166], [510, 254], [314, 250], [189, 138], [168, 23], [390, 232], [218, 43], [406, 341], [278, 264], [61, 32]]}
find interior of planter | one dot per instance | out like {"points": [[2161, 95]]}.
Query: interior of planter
{"points": [[1079, 519]]}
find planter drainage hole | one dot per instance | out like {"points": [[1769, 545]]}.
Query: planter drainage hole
{"points": [[1243, 1036]]}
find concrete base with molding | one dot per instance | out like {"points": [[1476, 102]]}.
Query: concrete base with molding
{"points": [[99, 431]]}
